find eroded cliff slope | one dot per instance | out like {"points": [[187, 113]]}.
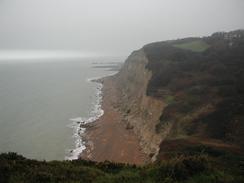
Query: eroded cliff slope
{"points": [[189, 89], [141, 112]]}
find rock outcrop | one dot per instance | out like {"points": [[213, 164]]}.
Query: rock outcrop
{"points": [[141, 112]]}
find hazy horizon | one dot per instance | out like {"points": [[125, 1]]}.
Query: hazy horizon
{"points": [[51, 55], [109, 28]]}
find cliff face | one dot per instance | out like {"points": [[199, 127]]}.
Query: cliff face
{"points": [[185, 89], [141, 112]]}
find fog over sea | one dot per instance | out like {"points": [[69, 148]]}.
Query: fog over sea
{"points": [[38, 101]]}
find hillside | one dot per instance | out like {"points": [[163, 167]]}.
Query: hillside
{"points": [[204, 90]]}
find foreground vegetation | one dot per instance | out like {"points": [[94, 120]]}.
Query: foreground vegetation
{"points": [[199, 165]]}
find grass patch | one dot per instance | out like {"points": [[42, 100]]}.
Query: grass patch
{"points": [[169, 99], [196, 46]]}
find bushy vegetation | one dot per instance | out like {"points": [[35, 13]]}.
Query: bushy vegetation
{"points": [[195, 167], [205, 79]]}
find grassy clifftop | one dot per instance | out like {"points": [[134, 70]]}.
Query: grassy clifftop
{"points": [[195, 45]]}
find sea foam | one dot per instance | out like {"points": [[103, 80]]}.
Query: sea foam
{"points": [[78, 131]]}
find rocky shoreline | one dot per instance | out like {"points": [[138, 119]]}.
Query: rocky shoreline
{"points": [[109, 137]]}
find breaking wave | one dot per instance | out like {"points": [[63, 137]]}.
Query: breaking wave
{"points": [[78, 131]]}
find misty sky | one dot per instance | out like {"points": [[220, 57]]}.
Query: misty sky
{"points": [[111, 27]]}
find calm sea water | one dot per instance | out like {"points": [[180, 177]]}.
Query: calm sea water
{"points": [[37, 101]]}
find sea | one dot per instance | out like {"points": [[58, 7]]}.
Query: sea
{"points": [[43, 102]]}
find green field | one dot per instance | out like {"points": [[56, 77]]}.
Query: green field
{"points": [[196, 46]]}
